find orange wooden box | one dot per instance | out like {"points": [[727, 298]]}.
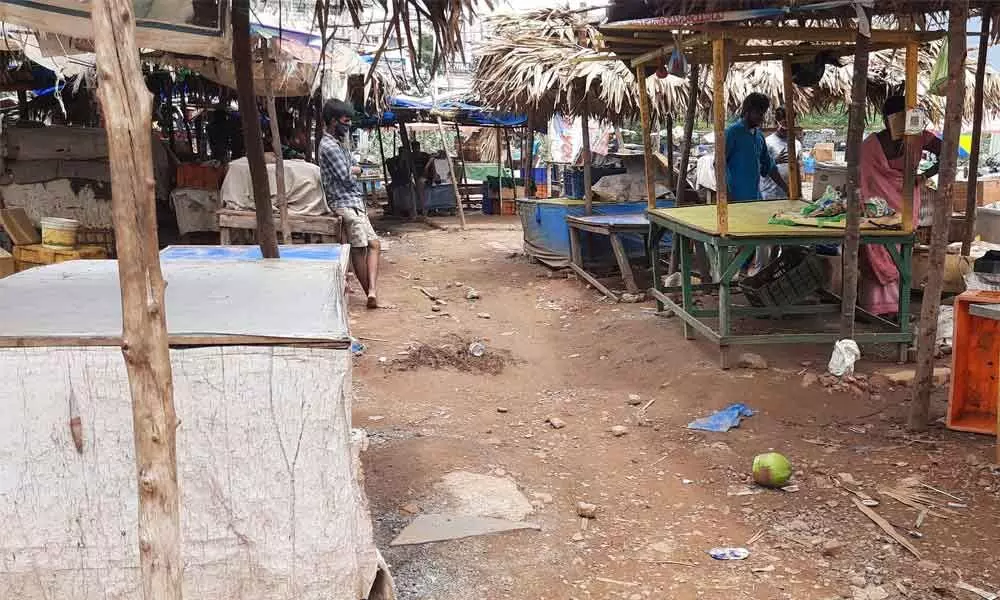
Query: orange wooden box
{"points": [[198, 176], [975, 367]]}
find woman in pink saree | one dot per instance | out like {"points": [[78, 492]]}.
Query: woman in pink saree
{"points": [[881, 172]]}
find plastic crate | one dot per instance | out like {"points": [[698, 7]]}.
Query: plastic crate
{"points": [[975, 366], [789, 279]]}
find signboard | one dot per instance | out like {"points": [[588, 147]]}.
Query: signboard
{"points": [[198, 27]]}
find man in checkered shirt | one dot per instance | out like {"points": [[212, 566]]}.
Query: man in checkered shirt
{"points": [[343, 195]]}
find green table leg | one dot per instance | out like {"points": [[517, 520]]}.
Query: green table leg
{"points": [[684, 249], [905, 266], [729, 266], [655, 235]]}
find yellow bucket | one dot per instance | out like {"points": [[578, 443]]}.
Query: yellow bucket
{"points": [[59, 234]]}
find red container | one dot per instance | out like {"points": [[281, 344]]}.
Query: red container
{"points": [[975, 367]]}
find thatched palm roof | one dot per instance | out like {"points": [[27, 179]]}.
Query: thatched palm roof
{"points": [[553, 60]]}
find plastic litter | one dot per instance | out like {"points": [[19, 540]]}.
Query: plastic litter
{"points": [[729, 553], [845, 354], [477, 349], [723, 420], [357, 348]]}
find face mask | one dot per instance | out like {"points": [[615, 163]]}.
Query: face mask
{"points": [[341, 130], [897, 125]]}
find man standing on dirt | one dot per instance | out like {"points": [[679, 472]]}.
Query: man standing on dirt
{"points": [[343, 195]]}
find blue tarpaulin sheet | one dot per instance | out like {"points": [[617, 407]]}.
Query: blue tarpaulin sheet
{"points": [[400, 108], [723, 420], [328, 252]]}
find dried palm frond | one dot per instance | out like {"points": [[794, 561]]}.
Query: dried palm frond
{"points": [[918, 495], [407, 19]]}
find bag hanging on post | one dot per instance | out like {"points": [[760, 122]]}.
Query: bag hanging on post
{"points": [[939, 72]]}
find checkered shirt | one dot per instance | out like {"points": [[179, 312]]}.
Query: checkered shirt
{"points": [[339, 186]]}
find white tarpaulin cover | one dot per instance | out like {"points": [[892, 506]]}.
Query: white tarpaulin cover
{"points": [[171, 25], [271, 503]]}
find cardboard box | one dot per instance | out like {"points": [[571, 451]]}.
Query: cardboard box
{"points": [[823, 152], [828, 173], [987, 192]]}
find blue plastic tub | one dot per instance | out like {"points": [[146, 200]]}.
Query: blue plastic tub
{"points": [[546, 235]]}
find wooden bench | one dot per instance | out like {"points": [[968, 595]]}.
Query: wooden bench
{"points": [[322, 230], [613, 226]]}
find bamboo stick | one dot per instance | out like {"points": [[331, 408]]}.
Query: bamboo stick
{"points": [[911, 141], [454, 179], [688, 130], [279, 161], [640, 76], [920, 406], [719, 68], [671, 182], [852, 233], [128, 109], [972, 186], [794, 176]]}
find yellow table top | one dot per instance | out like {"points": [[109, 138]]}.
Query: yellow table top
{"points": [[750, 219]]}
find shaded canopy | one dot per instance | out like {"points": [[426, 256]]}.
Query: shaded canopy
{"points": [[555, 60]]}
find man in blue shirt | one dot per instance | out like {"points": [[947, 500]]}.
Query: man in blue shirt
{"points": [[747, 158]]}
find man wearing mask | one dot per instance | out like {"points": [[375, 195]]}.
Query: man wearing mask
{"points": [[778, 147], [344, 196]]}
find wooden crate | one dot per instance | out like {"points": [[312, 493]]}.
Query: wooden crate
{"points": [[6, 263], [987, 192], [37, 255]]}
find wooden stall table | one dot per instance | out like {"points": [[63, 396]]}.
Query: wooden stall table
{"points": [[749, 229], [613, 226], [326, 228]]}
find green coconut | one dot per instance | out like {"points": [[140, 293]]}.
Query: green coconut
{"points": [[771, 470]]}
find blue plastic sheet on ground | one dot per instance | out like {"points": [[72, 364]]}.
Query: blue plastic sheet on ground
{"points": [[724, 420]]}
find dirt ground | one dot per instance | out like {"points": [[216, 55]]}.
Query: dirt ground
{"points": [[663, 492]]}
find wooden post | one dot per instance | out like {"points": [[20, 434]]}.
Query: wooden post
{"points": [[971, 188], [920, 405], [688, 130], [407, 158], [588, 197], [640, 77], [128, 109], [671, 182], [852, 233], [454, 178], [911, 142], [794, 177], [381, 154], [719, 68], [461, 158], [279, 161], [267, 238], [529, 184]]}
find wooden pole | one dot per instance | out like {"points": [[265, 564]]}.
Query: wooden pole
{"points": [[688, 130], [719, 68], [127, 108], [530, 185], [381, 153], [279, 161], [454, 178], [920, 406], [852, 233], [461, 158], [588, 197], [407, 158], [911, 142], [671, 182], [972, 186], [794, 177], [267, 238], [640, 77]]}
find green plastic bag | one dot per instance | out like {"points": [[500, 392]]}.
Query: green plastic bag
{"points": [[939, 72]]}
